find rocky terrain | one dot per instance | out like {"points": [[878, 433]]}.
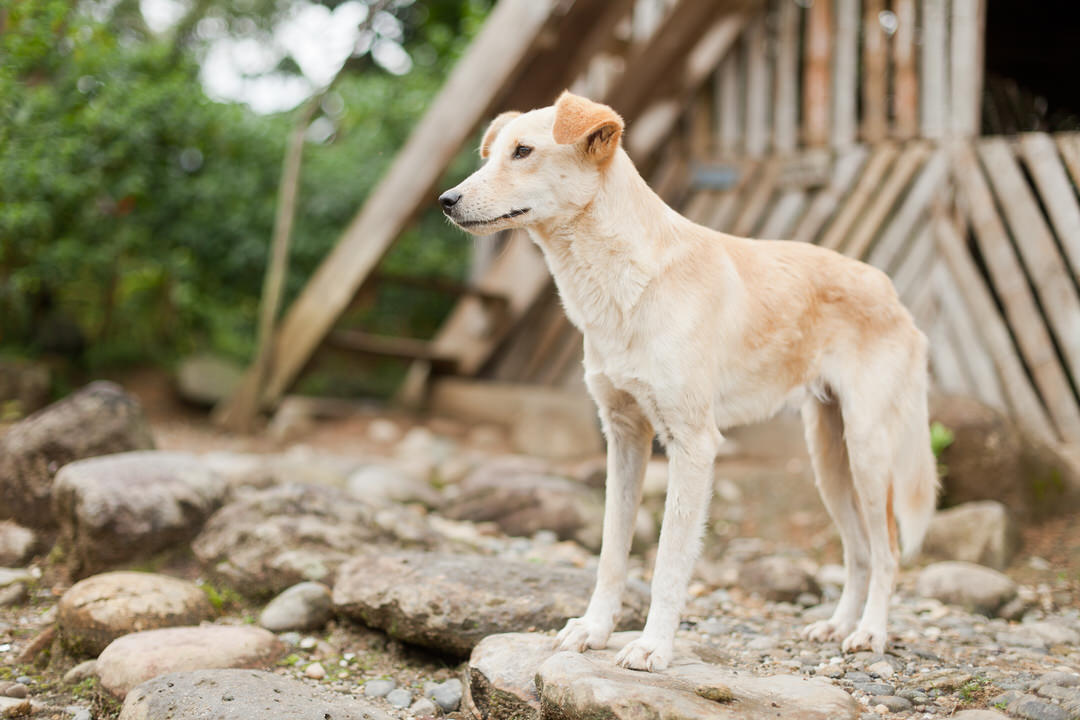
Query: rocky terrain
{"points": [[397, 567]]}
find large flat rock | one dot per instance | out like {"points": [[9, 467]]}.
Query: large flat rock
{"points": [[120, 507], [133, 659], [99, 609], [450, 602], [521, 676], [240, 695], [97, 420]]}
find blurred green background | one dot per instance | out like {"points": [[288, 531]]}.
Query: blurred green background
{"points": [[136, 212]]}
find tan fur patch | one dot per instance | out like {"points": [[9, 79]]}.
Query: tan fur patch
{"points": [[578, 118], [492, 132]]}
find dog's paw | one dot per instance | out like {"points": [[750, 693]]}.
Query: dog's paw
{"points": [[645, 654], [827, 630], [865, 639], [581, 633]]}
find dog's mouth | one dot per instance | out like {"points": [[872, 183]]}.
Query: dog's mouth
{"points": [[478, 223]]}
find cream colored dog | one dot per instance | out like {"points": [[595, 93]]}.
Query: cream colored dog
{"points": [[688, 330]]}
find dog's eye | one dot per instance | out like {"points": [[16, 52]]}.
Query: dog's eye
{"points": [[522, 151]]}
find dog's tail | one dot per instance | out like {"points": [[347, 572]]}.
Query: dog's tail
{"points": [[915, 478]]}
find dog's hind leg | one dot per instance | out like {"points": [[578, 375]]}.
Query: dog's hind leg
{"points": [[629, 437], [824, 428]]}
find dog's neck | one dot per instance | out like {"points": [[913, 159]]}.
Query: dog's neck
{"points": [[604, 258]]}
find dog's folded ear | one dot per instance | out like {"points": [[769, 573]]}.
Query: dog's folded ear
{"points": [[493, 131], [596, 127]]}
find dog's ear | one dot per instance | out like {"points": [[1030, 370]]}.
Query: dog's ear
{"points": [[580, 120], [493, 131]]}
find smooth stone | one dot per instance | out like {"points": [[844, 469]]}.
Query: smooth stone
{"points": [[979, 715], [17, 543], [872, 688], [1052, 633], [386, 483], [1059, 678], [15, 707], [101, 608], [514, 675], [980, 532], [240, 695], [400, 697], [424, 707], [450, 602], [975, 587], [120, 507], [379, 688], [15, 690], [207, 379], [81, 714], [447, 694], [315, 671], [136, 658], [268, 540], [776, 578], [1038, 710], [13, 594], [97, 420], [83, 671], [893, 703], [306, 606]]}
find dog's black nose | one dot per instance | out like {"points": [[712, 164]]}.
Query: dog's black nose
{"points": [[449, 199]]}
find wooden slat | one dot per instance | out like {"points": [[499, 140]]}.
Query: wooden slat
{"points": [[757, 199], [845, 170], [757, 87], [729, 111], [1037, 248], [727, 206], [845, 74], [388, 346], [1058, 195], [966, 65], [875, 121], [496, 55], [786, 96], [817, 96], [783, 216], [865, 232], [906, 81], [976, 360], [1011, 285], [934, 96], [914, 268], [945, 358], [979, 301], [1069, 145], [876, 166], [915, 204]]}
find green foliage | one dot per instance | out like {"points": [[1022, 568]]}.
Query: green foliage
{"points": [[136, 214], [941, 437], [224, 598]]}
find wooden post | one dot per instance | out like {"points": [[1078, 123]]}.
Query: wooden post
{"points": [[757, 87], [934, 102], [729, 112], [875, 67], [968, 21], [845, 74], [906, 80], [786, 102], [817, 97]]}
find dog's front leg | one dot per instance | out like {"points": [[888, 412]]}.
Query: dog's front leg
{"points": [[690, 476], [629, 437]]}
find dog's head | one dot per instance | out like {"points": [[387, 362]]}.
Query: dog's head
{"points": [[542, 166]]}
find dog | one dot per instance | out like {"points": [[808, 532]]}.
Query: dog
{"points": [[687, 331]]}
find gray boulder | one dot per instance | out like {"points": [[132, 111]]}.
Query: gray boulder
{"points": [[450, 602], [117, 508], [974, 587], [979, 532], [17, 543], [240, 695], [521, 676], [98, 420], [306, 606]]}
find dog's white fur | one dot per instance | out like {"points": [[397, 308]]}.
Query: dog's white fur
{"points": [[688, 330]]}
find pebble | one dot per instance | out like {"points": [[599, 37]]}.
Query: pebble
{"points": [[882, 669], [305, 606], [424, 708], [315, 671], [894, 703], [447, 694], [15, 690], [400, 697], [82, 671], [1038, 710], [872, 688], [81, 714], [379, 688]]}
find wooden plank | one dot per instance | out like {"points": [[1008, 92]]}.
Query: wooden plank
{"points": [[757, 87], [783, 216], [993, 330], [965, 88], [1058, 195], [817, 96], [728, 204], [786, 97], [1036, 243], [923, 192], [1012, 287], [1069, 145], [729, 111], [757, 199], [944, 357], [863, 234], [496, 55], [905, 75], [875, 120], [845, 74], [934, 100], [388, 346], [974, 357], [845, 170], [874, 171], [915, 266]]}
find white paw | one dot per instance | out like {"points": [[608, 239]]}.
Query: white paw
{"points": [[827, 630], [645, 654], [582, 633], [865, 639]]}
